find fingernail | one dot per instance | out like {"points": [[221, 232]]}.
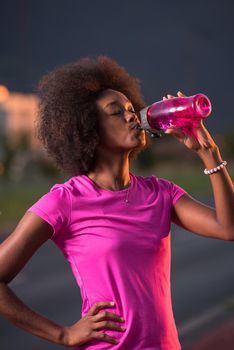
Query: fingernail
{"points": [[112, 303]]}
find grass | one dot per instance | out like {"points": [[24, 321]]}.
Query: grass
{"points": [[191, 177], [16, 198]]}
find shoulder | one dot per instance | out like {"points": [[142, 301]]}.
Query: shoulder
{"points": [[154, 181], [67, 189], [163, 187]]}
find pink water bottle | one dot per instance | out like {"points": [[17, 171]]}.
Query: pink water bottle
{"points": [[177, 112]]}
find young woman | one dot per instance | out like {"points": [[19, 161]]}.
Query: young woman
{"points": [[112, 226]]}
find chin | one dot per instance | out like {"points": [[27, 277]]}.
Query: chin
{"points": [[143, 140], [141, 144]]}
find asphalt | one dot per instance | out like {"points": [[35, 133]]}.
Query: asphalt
{"points": [[202, 293], [220, 337]]}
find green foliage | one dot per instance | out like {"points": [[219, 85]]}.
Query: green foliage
{"points": [[145, 160], [7, 154], [19, 161], [16, 198], [229, 143], [163, 158]]}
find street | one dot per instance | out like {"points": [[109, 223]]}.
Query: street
{"points": [[202, 285]]}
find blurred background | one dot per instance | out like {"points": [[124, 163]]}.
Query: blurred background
{"points": [[170, 46]]}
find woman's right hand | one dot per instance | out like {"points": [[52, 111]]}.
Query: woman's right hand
{"points": [[86, 329]]}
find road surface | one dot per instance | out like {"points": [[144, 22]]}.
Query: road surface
{"points": [[202, 289]]}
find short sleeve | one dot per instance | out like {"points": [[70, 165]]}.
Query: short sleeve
{"points": [[176, 192], [55, 208]]}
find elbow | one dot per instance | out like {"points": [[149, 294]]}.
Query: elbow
{"points": [[2, 281], [230, 239], [229, 234], [2, 284]]}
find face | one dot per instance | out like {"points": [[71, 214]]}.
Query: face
{"points": [[117, 116]]}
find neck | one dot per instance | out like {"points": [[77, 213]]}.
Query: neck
{"points": [[111, 173]]}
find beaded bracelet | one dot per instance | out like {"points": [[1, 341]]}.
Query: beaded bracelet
{"points": [[215, 170]]}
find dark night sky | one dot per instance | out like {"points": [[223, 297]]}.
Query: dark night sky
{"points": [[170, 45]]}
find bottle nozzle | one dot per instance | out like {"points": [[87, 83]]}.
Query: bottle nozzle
{"points": [[203, 105]]}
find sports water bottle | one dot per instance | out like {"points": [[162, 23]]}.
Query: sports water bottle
{"points": [[177, 112]]}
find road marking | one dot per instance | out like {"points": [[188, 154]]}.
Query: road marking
{"points": [[196, 322]]}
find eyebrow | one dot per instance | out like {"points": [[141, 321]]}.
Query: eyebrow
{"points": [[115, 102]]}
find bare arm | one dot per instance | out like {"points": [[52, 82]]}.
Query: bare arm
{"points": [[199, 218], [30, 233], [195, 216], [15, 251]]}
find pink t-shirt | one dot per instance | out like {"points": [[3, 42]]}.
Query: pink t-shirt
{"points": [[119, 251]]}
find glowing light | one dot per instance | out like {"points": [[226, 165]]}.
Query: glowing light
{"points": [[4, 93], [174, 109]]}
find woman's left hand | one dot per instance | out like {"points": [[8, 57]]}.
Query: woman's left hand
{"points": [[197, 139]]}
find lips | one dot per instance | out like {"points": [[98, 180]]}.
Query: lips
{"points": [[136, 126]]}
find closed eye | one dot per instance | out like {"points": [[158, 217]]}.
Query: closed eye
{"points": [[117, 112], [121, 111]]}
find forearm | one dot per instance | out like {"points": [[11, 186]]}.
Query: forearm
{"points": [[12, 308], [223, 189]]}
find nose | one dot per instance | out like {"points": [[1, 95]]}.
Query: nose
{"points": [[131, 117]]}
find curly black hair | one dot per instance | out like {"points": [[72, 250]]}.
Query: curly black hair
{"points": [[67, 123]]}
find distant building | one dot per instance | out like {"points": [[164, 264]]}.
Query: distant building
{"points": [[18, 114]]}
